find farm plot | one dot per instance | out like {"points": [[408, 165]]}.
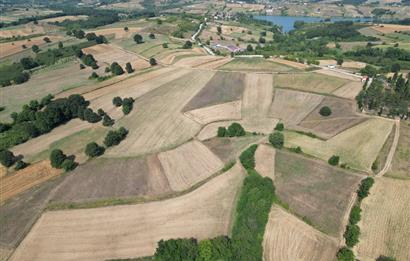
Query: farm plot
{"points": [[135, 229], [390, 28], [25, 179], [223, 87], [265, 161], [401, 164], [215, 64], [309, 82], [293, 64], [189, 164], [119, 33], [107, 54], [28, 29], [314, 190], [255, 65], [293, 106], [196, 61], [169, 57], [358, 146], [349, 90], [114, 178], [210, 130], [343, 116], [159, 124], [338, 74], [220, 112], [63, 18], [10, 48], [385, 226], [288, 238]]}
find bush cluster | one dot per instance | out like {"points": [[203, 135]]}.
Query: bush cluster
{"points": [[127, 105], [234, 130], [277, 139], [7, 158], [247, 157], [279, 126], [364, 188], [116, 69], [115, 137], [94, 150], [60, 161]]}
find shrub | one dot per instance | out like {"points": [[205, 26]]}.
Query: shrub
{"points": [[93, 75], [177, 249], [247, 157], [126, 28], [355, 215], [221, 132], [107, 121], [128, 68], [345, 254], [116, 69], [82, 66], [20, 165], [94, 150], [297, 149], [101, 112], [334, 160], [280, 126], [91, 116], [138, 38], [364, 188], [127, 105], [165, 45], [277, 139], [235, 130], [7, 158], [152, 61], [385, 258], [187, 45], [117, 101], [47, 40], [375, 165], [115, 137], [69, 164], [151, 36], [57, 158], [325, 111], [352, 235], [35, 48]]}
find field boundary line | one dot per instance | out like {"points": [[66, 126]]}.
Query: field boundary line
{"points": [[393, 148]]}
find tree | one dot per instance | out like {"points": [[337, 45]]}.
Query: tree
{"points": [[60, 45], [385, 258], [177, 249], [28, 63], [101, 112], [115, 137], [325, 111], [339, 60], [364, 188], [355, 215], [334, 160], [219, 29], [165, 45], [35, 48], [57, 158], [117, 101], [107, 121], [20, 165], [249, 48], [47, 40], [138, 39], [235, 130], [127, 105], [126, 28], [262, 40], [91, 116], [21, 78], [352, 235], [280, 126], [69, 164], [277, 139], [151, 36], [94, 150], [7, 158], [152, 61], [221, 132], [345, 254], [187, 45], [128, 68], [395, 67], [116, 69], [93, 75]]}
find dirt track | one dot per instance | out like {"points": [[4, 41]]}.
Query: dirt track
{"points": [[393, 148]]}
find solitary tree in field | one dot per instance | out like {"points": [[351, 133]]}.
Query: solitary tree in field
{"points": [[116, 69], [187, 45], [57, 158], [334, 160], [152, 61], [117, 101], [35, 48], [94, 150], [151, 35], [46, 39], [249, 48], [138, 38], [126, 28], [165, 45], [7, 158], [325, 111], [128, 68], [277, 139], [219, 29]]}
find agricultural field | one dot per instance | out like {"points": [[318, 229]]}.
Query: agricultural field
{"points": [[265, 161], [26, 30], [255, 65], [220, 112], [400, 164], [384, 226], [10, 48]]}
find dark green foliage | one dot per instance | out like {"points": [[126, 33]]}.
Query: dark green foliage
{"points": [[296, 149], [46, 100], [187, 45], [60, 45], [345, 254], [21, 78], [89, 61], [93, 75], [28, 63], [334, 160], [221, 132], [165, 45], [94, 150], [355, 215], [138, 39], [151, 36], [116, 69], [375, 165], [90, 116], [128, 68], [346, 31], [352, 235], [385, 258], [177, 250], [277, 139], [235, 130], [47, 40], [115, 137], [325, 111], [117, 101], [247, 157], [219, 248], [4, 127], [107, 121], [69, 164], [388, 58], [127, 105], [57, 158], [249, 48], [35, 48], [101, 112], [7, 158], [126, 28], [279, 126], [364, 188], [152, 61], [20, 165]]}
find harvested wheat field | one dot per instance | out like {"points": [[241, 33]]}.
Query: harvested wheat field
{"points": [[106, 54], [215, 64], [203, 213], [343, 116], [310, 82], [288, 238], [265, 161], [400, 167], [197, 61], [315, 190], [168, 57], [161, 125], [390, 28], [338, 74], [227, 29], [210, 130], [255, 65], [63, 18], [189, 164], [293, 106], [385, 226], [358, 146], [28, 29], [223, 87], [220, 112], [119, 33], [10, 48], [300, 66], [349, 90], [26, 178]]}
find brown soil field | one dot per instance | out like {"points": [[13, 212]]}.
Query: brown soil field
{"points": [[118, 33], [390, 28], [288, 238], [210, 130], [296, 65], [315, 190], [25, 179], [385, 226], [256, 101], [156, 122], [349, 90], [265, 161], [220, 112], [401, 165], [28, 29], [105, 54], [196, 61], [114, 178], [63, 18], [215, 64], [203, 213], [189, 164], [343, 117], [228, 149], [10, 48], [293, 106], [223, 87], [310, 82]]}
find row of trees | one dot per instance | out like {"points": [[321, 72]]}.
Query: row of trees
{"points": [[234, 130], [59, 160]]}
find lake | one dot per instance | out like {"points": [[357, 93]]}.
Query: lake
{"points": [[287, 21]]}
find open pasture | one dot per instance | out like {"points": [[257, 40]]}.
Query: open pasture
{"points": [[385, 226], [288, 238], [220, 112], [255, 65], [315, 190], [223, 87], [358, 146], [401, 165], [309, 82], [10, 48], [203, 213]]}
